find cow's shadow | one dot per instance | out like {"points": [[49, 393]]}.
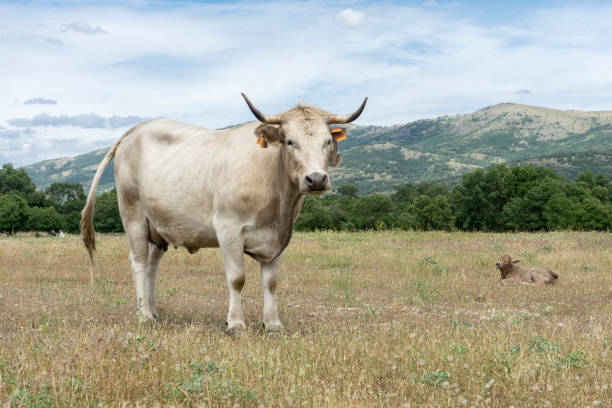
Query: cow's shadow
{"points": [[172, 318]]}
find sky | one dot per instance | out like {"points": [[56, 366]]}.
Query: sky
{"points": [[75, 75]]}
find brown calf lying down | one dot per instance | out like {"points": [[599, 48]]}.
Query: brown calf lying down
{"points": [[512, 273]]}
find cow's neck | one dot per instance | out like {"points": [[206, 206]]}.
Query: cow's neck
{"points": [[290, 205]]}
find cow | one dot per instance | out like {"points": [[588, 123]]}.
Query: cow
{"points": [[512, 273], [238, 189]]}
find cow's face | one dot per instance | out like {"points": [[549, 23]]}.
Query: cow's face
{"points": [[505, 262], [308, 146]]}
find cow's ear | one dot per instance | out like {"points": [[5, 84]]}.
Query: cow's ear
{"points": [[268, 134], [335, 162], [516, 261], [339, 134], [334, 158]]}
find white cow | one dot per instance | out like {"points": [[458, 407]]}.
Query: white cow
{"points": [[239, 189]]}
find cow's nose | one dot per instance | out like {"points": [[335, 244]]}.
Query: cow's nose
{"points": [[316, 181], [497, 263]]}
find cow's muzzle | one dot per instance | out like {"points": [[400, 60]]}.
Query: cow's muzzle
{"points": [[316, 181]]}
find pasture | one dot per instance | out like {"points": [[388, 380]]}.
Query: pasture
{"points": [[390, 319]]}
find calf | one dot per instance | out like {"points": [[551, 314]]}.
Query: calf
{"points": [[512, 273]]}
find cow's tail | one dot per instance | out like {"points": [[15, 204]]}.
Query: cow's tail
{"points": [[86, 225]]}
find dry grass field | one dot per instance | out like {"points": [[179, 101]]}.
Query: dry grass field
{"points": [[392, 319]]}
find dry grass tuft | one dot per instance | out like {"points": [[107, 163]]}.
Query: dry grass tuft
{"points": [[372, 319]]}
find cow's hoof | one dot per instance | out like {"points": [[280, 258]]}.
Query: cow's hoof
{"points": [[274, 327], [147, 318], [236, 328]]}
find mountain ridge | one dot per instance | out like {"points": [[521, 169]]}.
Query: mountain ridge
{"points": [[377, 158]]}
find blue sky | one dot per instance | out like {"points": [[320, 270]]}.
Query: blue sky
{"points": [[76, 75]]}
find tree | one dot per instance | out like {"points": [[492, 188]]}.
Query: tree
{"points": [[106, 215], [373, 211], [66, 197], [560, 212], [314, 216], [528, 212], [43, 219], [348, 190], [13, 212], [17, 181], [593, 215]]}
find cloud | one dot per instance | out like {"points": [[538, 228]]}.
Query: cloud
{"points": [[83, 27], [40, 101], [190, 60], [523, 92], [351, 17], [53, 41], [26, 146], [14, 133], [88, 121]]}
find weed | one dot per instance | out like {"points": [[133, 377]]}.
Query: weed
{"points": [[428, 260], [370, 311], [541, 345], [529, 255], [420, 290], [436, 378], [119, 302], [211, 377], [575, 359], [439, 270], [460, 350], [23, 398], [342, 284]]}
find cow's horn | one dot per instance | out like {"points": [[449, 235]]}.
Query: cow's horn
{"points": [[347, 118], [271, 120]]}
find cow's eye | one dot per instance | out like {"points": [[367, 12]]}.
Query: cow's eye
{"points": [[328, 143], [289, 142]]}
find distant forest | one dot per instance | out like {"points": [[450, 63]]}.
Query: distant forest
{"points": [[522, 198]]}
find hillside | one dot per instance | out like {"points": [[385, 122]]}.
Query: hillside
{"points": [[378, 158]]}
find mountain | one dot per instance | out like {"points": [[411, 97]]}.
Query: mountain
{"points": [[77, 169], [378, 158]]}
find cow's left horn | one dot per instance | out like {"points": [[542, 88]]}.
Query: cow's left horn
{"points": [[271, 120], [347, 118]]}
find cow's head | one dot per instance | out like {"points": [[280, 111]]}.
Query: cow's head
{"points": [[505, 262], [307, 144]]}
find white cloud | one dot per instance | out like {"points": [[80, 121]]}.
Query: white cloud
{"points": [[191, 61], [430, 3], [83, 27], [86, 120], [40, 101], [351, 17]]}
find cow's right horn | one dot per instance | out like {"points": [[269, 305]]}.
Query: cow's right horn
{"points": [[271, 120]]}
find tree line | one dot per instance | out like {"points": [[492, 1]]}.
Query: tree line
{"points": [[522, 198], [24, 208]]}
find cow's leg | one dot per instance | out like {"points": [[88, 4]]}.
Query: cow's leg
{"points": [[232, 252], [268, 284], [155, 255], [137, 233]]}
